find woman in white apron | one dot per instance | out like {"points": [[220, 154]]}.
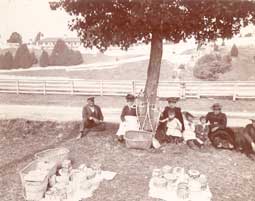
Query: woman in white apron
{"points": [[129, 120]]}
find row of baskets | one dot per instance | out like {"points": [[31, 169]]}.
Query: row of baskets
{"points": [[34, 189]]}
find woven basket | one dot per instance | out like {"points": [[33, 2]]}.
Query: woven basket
{"points": [[138, 139], [32, 190], [57, 155]]}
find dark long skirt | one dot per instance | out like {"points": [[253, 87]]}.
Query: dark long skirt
{"points": [[223, 138]]}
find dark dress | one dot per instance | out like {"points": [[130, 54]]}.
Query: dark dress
{"points": [[162, 127], [248, 137], [223, 134], [128, 111]]}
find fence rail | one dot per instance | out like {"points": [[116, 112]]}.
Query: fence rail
{"points": [[183, 89]]}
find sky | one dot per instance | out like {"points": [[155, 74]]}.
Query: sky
{"points": [[28, 17]]}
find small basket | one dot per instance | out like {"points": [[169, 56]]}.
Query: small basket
{"points": [[32, 190], [57, 155], [138, 139]]}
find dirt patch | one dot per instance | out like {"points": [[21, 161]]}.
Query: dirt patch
{"points": [[231, 175]]}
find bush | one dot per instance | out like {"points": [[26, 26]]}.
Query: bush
{"points": [[15, 38], [215, 47], [210, 66], [63, 56], [75, 58], [6, 61], [234, 51], [44, 60], [23, 58], [33, 57], [227, 59]]}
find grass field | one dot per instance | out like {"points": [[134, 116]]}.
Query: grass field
{"points": [[231, 175]]}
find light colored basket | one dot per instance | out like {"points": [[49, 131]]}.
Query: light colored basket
{"points": [[32, 190], [57, 155], [138, 139]]}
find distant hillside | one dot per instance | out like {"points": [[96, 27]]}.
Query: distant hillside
{"points": [[243, 67]]}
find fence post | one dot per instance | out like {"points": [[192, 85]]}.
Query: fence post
{"points": [[133, 86], [101, 88], [235, 92], [44, 87], [17, 87], [72, 87], [183, 90]]}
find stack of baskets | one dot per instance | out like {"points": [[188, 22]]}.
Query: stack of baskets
{"points": [[33, 189], [34, 180], [138, 139]]}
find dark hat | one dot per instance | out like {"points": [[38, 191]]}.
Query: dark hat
{"points": [[130, 97], [172, 100], [91, 98], [187, 114], [216, 106]]}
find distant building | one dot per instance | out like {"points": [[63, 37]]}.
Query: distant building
{"points": [[49, 43]]}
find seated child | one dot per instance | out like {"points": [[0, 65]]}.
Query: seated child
{"points": [[202, 130], [189, 134], [174, 127]]}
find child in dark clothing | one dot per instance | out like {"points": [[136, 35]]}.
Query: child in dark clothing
{"points": [[202, 130]]}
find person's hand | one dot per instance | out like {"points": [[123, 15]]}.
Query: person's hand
{"points": [[214, 129], [253, 146], [96, 121]]}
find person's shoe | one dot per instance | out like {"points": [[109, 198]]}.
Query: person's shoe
{"points": [[121, 139], [251, 157]]}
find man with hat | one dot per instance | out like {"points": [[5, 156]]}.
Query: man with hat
{"points": [[92, 118], [161, 130], [219, 134]]}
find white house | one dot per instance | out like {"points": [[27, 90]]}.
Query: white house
{"points": [[49, 42]]}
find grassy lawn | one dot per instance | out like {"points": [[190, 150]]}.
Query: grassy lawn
{"points": [[231, 175], [128, 71], [202, 104]]}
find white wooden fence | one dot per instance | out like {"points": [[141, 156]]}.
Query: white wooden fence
{"points": [[184, 89]]}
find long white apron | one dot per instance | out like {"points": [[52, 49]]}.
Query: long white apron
{"points": [[130, 123]]}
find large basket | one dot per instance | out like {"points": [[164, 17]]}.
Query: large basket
{"points": [[32, 190], [57, 155], [138, 139]]}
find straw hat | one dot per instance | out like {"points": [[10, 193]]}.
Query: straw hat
{"points": [[172, 100]]}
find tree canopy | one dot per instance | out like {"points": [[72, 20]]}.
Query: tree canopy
{"points": [[126, 22], [15, 38]]}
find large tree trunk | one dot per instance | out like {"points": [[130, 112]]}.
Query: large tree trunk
{"points": [[151, 87], [153, 71]]}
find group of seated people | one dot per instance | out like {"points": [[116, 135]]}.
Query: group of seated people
{"points": [[175, 126]]}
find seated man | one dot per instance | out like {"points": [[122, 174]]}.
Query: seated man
{"points": [[92, 118], [219, 134], [248, 143]]}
